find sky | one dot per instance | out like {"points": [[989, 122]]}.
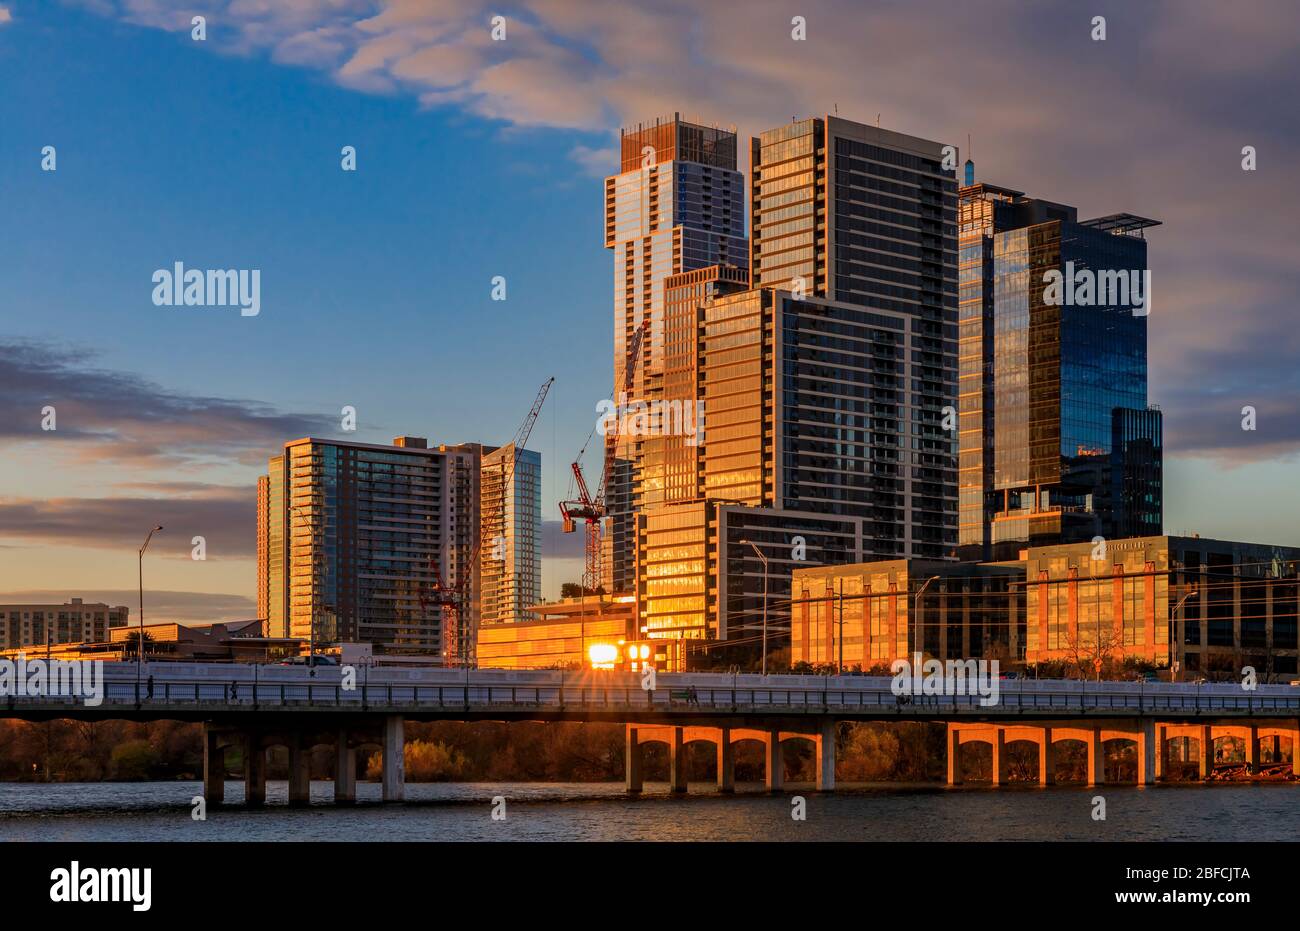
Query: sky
{"points": [[479, 158]]}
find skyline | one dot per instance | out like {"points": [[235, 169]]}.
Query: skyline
{"points": [[161, 423]]}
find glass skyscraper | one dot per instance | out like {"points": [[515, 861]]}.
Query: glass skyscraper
{"points": [[1057, 441]]}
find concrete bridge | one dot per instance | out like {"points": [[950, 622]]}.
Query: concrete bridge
{"points": [[258, 707]]}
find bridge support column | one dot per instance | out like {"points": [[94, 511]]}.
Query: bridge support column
{"points": [[299, 772], [826, 757], [1147, 740], [1295, 750], [999, 743], [394, 758], [1096, 758], [1162, 752], [254, 771], [1047, 759], [214, 767], [775, 762], [1252, 750], [1206, 755], [726, 761], [954, 756], [345, 770], [633, 783], [676, 763]]}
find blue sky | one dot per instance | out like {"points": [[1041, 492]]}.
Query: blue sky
{"points": [[479, 159]]}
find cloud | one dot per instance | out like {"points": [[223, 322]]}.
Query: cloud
{"points": [[1150, 121], [163, 605], [5, 15], [224, 516], [120, 417]]}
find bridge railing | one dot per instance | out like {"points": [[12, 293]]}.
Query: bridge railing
{"points": [[678, 699]]}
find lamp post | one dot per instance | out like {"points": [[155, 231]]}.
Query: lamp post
{"points": [[916, 613], [1179, 632], [139, 656], [764, 559]]}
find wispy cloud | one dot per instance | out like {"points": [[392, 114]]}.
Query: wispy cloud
{"points": [[120, 417], [224, 516]]}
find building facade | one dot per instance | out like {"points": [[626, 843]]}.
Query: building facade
{"points": [[511, 518], [864, 216], [353, 533], [1058, 443], [1194, 606], [676, 205], [36, 626]]}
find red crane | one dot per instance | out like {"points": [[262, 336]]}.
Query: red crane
{"points": [[588, 507], [451, 599]]}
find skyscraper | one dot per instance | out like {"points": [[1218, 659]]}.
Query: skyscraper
{"points": [[1058, 442], [511, 521], [862, 215], [676, 205], [352, 531]]}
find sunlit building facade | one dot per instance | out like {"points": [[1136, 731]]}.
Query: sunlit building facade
{"points": [[676, 205], [861, 215], [511, 519], [353, 532], [36, 626], [1190, 605], [868, 615]]}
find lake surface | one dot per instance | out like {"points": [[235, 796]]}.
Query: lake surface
{"points": [[161, 811]]}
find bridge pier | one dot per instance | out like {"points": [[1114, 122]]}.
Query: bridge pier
{"points": [[726, 762], [394, 758], [676, 762], [775, 769], [299, 772], [999, 743], [1252, 750], [826, 757], [1162, 752], [345, 770], [254, 771], [1206, 755], [214, 767], [1148, 738], [1046, 759], [633, 783], [1096, 758], [954, 755]]}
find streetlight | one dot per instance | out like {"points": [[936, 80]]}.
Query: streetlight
{"points": [[916, 613], [764, 559], [1179, 635], [139, 656]]}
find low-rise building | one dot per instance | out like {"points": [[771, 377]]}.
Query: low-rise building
{"points": [[34, 626]]}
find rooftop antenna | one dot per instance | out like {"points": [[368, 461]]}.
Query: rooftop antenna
{"points": [[877, 121]]}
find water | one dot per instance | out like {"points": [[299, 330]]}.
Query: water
{"points": [[160, 811]]}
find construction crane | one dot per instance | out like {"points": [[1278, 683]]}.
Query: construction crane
{"points": [[451, 598], [589, 507]]}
